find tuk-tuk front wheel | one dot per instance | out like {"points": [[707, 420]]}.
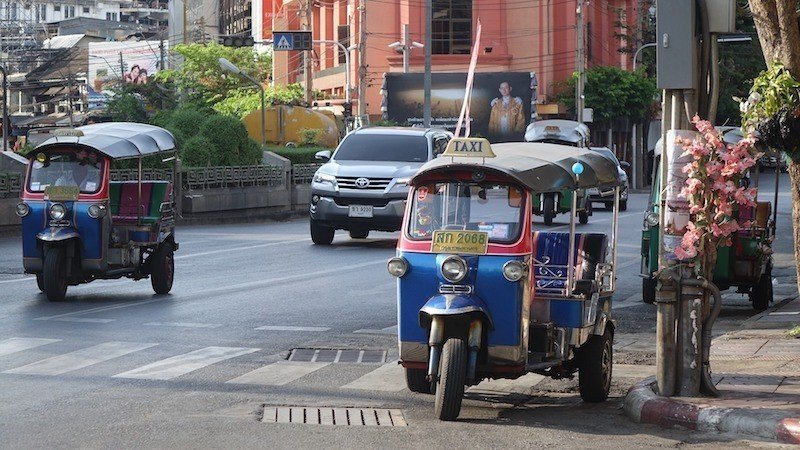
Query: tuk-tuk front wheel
{"points": [[583, 217], [417, 381], [548, 209], [54, 275], [452, 379], [162, 268], [594, 368]]}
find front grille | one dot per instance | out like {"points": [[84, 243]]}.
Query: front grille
{"points": [[344, 201], [455, 289], [372, 183]]}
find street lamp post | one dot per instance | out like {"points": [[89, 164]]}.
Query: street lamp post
{"points": [[405, 47], [5, 108], [639, 50], [228, 66]]}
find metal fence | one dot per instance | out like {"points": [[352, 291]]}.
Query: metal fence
{"points": [[303, 173], [147, 175], [10, 184]]}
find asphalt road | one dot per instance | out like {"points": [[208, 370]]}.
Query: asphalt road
{"points": [[115, 365]]}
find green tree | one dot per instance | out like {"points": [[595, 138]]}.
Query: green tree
{"points": [[612, 93], [125, 107], [241, 102]]}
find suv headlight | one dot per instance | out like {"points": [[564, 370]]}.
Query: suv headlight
{"points": [[58, 211], [402, 181], [651, 219], [454, 269], [324, 178]]}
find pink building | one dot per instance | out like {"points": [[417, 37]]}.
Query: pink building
{"points": [[517, 35]]}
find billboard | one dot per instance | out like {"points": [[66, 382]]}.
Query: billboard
{"points": [[112, 63], [500, 109]]}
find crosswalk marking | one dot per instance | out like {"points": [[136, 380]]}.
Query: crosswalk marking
{"points": [[183, 324], [169, 368], [288, 328], [79, 359], [278, 374], [14, 345], [84, 320], [389, 377]]}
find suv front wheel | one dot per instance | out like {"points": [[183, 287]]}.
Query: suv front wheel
{"points": [[320, 234]]}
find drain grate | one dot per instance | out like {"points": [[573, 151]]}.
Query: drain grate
{"points": [[332, 355], [334, 416]]}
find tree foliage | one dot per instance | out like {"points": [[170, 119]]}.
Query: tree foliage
{"points": [[613, 93], [242, 101], [125, 107]]}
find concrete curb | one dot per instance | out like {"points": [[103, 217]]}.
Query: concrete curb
{"points": [[643, 405]]}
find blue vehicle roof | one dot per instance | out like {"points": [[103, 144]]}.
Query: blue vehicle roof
{"points": [[118, 140]]}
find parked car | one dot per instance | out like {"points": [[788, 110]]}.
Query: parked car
{"points": [[363, 186], [607, 198]]}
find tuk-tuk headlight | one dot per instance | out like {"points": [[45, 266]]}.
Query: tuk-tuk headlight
{"points": [[397, 266], [58, 211], [454, 269], [514, 270], [97, 211], [22, 209], [651, 219]]}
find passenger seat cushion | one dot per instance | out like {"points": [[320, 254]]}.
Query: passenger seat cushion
{"points": [[551, 253], [127, 208]]}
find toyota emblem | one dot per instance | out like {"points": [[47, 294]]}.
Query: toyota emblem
{"points": [[362, 182]]}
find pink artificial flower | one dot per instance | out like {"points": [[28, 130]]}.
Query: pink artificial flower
{"points": [[685, 253]]}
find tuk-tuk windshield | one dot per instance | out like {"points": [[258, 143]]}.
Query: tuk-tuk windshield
{"points": [[495, 208], [80, 169]]}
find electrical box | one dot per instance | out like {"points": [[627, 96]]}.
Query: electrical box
{"points": [[676, 44], [721, 16]]}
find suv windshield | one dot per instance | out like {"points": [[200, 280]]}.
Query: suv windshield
{"points": [[495, 208], [383, 147], [82, 170]]}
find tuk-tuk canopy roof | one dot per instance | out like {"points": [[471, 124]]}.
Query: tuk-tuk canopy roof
{"points": [[557, 129], [118, 140], [541, 167]]}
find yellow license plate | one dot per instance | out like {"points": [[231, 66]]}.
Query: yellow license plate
{"points": [[464, 242], [61, 193]]}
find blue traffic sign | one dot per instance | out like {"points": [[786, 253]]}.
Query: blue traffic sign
{"points": [[282, 41], [291, 40]]}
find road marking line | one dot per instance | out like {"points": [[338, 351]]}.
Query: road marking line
{"points": [[79, 359], [183, 324], [173, 367], [389, 377], [84, 320], [283, 328], [278, 374], [392, 330], [14, 345], [17, 280], [236, 249]]}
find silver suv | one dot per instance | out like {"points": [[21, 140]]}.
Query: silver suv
{"points": [[364, 185]]}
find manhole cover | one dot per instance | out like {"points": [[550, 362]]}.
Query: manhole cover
{"points": [[334, 416], [332, 355]]}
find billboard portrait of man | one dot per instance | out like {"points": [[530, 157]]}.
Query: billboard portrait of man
{"points": [[507, 117]]}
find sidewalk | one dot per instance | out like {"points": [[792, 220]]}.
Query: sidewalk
{"points": [[757, 371]]}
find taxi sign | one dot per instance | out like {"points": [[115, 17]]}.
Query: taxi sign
{"points": [[67, 132], [469, 147], [61, 193], [460, 242], [552, 129]]}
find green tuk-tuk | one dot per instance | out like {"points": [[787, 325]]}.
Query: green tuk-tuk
{"points": [[743, 265]]}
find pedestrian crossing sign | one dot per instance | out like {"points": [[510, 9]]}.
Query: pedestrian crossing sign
{"points": [[291, 40], [283, 41]]}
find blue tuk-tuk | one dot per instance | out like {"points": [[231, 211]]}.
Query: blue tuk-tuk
{"points": [[481, 294], [79, 226]]}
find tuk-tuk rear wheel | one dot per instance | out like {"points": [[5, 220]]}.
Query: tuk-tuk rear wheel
{"points": [[40, 282], [417, 381], [761, 294], [595, 367], [649, 290], [162, 268], [548, 209], [54, 275], [452, 379]]}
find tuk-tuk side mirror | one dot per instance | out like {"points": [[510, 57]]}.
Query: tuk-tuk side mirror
{"points": [[625, 165], [514, 198], [324, 155]]}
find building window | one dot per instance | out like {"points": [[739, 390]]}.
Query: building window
{"points": [[452, 26], [343, 32], [13, 11], [41, 13], [56, 8], [86, 10], [111, 16], [69, 11]]}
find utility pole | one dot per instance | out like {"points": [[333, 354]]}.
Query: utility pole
{"points": [[580, 61], [362, 59], [307, 54], [406, 47], [426, 109], [121, 70]]}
